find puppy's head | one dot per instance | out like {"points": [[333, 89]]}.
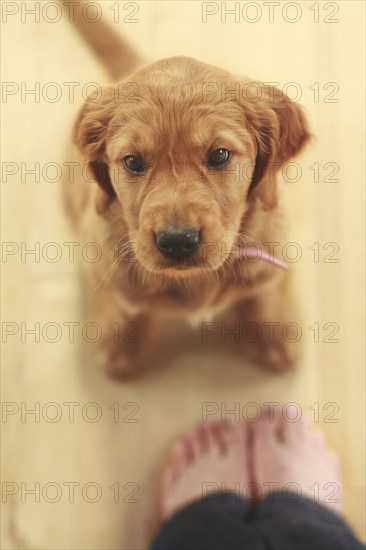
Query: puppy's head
{"points": [[183, 148]]}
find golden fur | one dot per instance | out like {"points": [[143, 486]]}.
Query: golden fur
{"points": [[164, 114]]}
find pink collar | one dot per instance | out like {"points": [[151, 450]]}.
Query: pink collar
{"points": [[258, 254]]}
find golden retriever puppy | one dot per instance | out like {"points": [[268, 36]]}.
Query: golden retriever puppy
{"points": [[184, 158]]}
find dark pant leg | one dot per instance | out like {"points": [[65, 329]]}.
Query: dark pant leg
{"points": [[220, 522], [226, 522], [286, 521]]}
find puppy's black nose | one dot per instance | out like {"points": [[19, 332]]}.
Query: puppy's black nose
{"points": [[178, 244]]}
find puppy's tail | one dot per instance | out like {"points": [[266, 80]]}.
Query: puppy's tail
{"points": [[110, 48]]}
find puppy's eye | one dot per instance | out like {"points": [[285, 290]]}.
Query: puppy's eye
{"points": [[218, 158], [134, 165]]}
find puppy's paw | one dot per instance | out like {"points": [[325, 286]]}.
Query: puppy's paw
{"points": [[276, 354], [118, 364], [121, 368]]}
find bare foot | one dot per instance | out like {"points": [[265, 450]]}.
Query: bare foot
{"points": [[212, 457], [293, 458], [252, 460]]}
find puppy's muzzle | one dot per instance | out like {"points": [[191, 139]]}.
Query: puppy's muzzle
{"points": [[178, 243]]}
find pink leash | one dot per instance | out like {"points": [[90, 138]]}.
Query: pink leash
{"points": [[257, 253]]}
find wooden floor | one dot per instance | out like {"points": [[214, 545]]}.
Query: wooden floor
{"points": [[115, 459]]}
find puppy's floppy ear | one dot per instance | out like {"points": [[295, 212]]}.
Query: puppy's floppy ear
{"points": [[281, 131], [90, 133]]}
